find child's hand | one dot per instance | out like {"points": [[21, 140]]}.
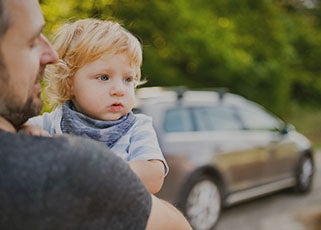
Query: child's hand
{"points": [[34, 130]]}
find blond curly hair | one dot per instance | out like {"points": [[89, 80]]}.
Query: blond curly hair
{"points": [[82, 42]]}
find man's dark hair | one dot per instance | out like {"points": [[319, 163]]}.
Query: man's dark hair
{"points": [[4, 25], [4, 18]]}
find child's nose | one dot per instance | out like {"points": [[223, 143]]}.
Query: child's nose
{"points": [[117, 90]]}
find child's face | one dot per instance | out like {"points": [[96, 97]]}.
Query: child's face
{"points": [[104, 89]]}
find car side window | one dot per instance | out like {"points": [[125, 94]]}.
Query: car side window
{"points": [[178, 120], [216, 118], [258, 119]]}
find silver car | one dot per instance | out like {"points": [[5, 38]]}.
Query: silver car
{"points": [[223, 149]]}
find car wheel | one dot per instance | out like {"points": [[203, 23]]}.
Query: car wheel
{"points": [[304, 174], [201, 202]]}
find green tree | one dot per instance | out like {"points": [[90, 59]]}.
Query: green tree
{"points": [[264, 50]]}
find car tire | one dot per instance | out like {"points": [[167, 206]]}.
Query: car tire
{"points": [[304, 174], [201, 201]]}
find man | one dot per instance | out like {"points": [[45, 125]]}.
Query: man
{"points": [[63, 182]]}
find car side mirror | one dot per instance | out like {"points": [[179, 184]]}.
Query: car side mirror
{"points": [[287, 128]]}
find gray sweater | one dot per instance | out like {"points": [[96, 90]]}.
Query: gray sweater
{"points": [[67, 183]]}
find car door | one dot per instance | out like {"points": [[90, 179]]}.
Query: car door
{"points": [[237, 153], [280, 152]]}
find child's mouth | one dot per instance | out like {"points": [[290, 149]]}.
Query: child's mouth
{"points": [[116, 107]]}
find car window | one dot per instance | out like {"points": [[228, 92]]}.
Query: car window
{"points": [[178, 120], [256, 118], [216, 118]]}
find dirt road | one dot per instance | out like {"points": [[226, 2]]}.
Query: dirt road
{"points": [[280, 211]]}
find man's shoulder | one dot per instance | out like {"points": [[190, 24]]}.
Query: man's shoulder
{"points": [[75, 153], [70, 173], [60, 144]]}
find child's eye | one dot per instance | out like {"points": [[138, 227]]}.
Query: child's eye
{"points": [[129, 79], [103, 77]]}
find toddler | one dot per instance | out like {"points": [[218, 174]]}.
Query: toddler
{"points": [[92, 88]]}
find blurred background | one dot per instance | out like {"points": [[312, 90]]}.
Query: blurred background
{"points": [[265, 50], [268, 51]]}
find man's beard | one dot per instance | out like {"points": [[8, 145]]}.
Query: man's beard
{"points": [[11, 108], [18, 115]]}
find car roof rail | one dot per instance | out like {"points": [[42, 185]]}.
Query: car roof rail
{"points": [[180, 90], [221, 92]]}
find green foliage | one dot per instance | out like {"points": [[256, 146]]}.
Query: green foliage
{"points": [[267, 51], [306, 119]]}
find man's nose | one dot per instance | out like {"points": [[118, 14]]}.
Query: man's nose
{"points": [[49, 54]]}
